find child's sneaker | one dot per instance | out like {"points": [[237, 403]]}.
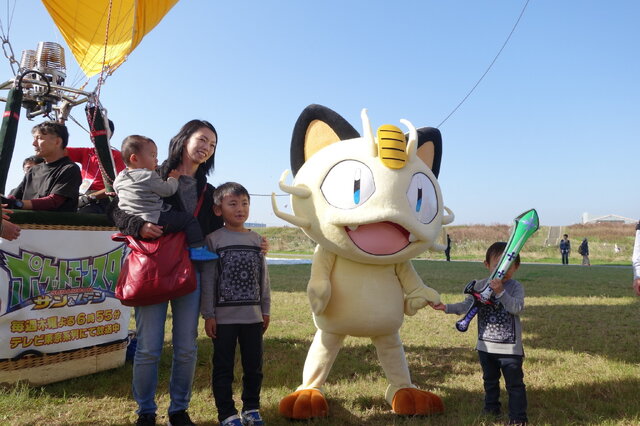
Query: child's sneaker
{"points": [[232, 421], [201, 254], [252, 418]]}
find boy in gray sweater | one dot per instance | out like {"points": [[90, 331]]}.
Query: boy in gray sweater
{"points": [[140, 191], [235, 302], [499, 343]]}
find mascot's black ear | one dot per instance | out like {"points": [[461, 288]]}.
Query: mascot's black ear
{"points": [[429, 147], [317, 127]]}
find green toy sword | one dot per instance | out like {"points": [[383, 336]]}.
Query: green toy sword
{"points": [[525, 226]]}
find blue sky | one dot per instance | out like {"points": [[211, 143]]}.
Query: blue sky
{"points": [[552, 126]]}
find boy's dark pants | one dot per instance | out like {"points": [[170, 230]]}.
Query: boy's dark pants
{"points": [[249, 336], [511, 368]]}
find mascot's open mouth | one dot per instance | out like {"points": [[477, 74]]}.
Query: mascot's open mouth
{"points": [[381, 238]]}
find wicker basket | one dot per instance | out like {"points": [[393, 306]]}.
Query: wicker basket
{"points": [[49, 368], [41, 369]]}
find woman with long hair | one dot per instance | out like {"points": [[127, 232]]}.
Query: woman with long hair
{"points": [[192, 153]]}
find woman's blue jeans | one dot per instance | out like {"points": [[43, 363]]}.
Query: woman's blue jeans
{"points": [[150, 321]]}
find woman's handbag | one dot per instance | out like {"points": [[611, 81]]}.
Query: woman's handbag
{"points": [[155, 271]]}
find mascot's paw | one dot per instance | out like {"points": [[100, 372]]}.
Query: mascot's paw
{"points": [[304, 404], [419, 298], [411, 401], [412, 306]]}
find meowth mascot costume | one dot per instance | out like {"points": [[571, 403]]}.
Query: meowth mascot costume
{"points": [[371, 204]]}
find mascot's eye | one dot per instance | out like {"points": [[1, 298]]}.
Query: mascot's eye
{"points": [[348, 184], [422, 198]]}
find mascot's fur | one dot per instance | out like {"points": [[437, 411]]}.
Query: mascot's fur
{"points": [[371, 204]]}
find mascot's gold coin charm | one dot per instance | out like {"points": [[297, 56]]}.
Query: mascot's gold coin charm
{"points": [[371, 204]]}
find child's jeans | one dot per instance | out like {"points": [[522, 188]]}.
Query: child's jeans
{"points": [[511, 368], [249, 336]]}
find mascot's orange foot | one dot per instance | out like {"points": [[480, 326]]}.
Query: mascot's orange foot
{"points": [[411, 401], [304, 404]]}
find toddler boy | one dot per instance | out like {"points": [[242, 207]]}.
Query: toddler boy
{"points": [[140, 191], [499, 344]]}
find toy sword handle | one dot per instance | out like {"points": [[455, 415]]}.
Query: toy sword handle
{"points": [[463, 323], [525, 226]]}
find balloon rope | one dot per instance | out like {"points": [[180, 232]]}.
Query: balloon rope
{"points": [[488, 68], [104, 55], [101, 79]]}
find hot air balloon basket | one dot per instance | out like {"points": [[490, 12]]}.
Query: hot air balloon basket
{"points": [[40, 369]]}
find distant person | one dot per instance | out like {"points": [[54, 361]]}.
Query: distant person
{"points": [[447, 251], [499, 344], [565, 249], [635, 259], [141, 190], [235, 303], [584, 251], [93, 197], [53, 184], [29, 162]]}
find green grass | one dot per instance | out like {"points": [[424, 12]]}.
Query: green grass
{"points": [[582, 364]]}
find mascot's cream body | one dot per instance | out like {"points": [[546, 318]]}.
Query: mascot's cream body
{"points": [[371, 204]]}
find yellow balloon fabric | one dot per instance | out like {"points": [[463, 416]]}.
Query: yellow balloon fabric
{"points": [[84, 25]]}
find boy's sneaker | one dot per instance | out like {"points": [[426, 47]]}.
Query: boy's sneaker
{"points": [[148, 419], [492, 412], [201, 254], [252, 418], [232, 421], [180, 418]]}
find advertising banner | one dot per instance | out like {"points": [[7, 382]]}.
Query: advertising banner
{"points": [[57, 291]]}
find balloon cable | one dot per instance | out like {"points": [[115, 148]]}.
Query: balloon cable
{"points": [[488, 68]]}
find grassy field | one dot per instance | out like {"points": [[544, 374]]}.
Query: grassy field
{"points": [[471, 241], [582, 363]]}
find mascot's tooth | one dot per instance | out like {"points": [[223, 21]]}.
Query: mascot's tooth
{"points": [[412, 238], [352, 228]]}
